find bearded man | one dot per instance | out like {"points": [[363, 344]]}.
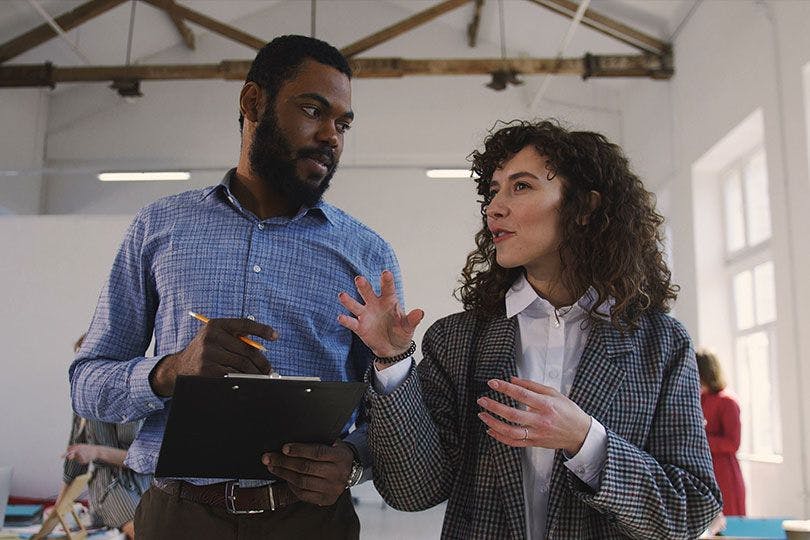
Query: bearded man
{"points": [[262, 255]]}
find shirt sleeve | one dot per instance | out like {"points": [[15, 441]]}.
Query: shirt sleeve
{"points": [[387, 380], [588, 463], [110, 375]]}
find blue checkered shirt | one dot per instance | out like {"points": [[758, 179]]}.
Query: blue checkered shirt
{"points": [[201, 251]]}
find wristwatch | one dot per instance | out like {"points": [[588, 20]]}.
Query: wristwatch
{"points": [[356, 473], [357, 467]]}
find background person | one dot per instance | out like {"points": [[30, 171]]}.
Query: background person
{"points": [[260, 254], [722, 413], [564, 401], [114, 489]]}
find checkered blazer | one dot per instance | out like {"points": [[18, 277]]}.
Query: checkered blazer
{"points": [[430, 446]]}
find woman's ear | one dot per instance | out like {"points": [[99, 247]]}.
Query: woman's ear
{"points": [[250, 101], [594, 200]]}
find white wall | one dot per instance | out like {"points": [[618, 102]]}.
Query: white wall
{"points": [[731, 59], [23, 117], [51, 272]]}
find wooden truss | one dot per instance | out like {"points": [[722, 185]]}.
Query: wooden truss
{"points": [[654, 60]]}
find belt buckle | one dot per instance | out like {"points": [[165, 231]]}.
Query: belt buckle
{"points": [[230, 500]]}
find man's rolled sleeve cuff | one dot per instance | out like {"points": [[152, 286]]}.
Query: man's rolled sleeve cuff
{"points": [[387, 380], [588, 463], [141, 393]]}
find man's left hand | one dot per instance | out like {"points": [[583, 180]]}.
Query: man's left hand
{"points": [[315, 473]]}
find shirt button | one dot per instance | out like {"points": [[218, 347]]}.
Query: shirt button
{"points": [[554, 373], [151, 405], [261, 226], [257, 268], [251, 317]]}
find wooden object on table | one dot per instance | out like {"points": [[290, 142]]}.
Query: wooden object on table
{"points": [[63, 509]]}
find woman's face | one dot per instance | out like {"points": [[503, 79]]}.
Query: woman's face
{"points": [[524, 215]]}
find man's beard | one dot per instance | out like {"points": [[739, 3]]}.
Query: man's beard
{"points": [[273, 160]]}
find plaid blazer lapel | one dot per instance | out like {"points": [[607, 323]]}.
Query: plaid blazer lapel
{"points": [[599, 376], [495, 359]]}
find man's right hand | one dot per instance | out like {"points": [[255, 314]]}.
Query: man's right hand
{"points": [[215, 351]]}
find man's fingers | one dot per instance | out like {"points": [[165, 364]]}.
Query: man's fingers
{"points": [[240, 356], [246, 327], [315, 452]]}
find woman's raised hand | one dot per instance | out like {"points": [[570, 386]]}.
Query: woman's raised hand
{"points": [[379, 321]]}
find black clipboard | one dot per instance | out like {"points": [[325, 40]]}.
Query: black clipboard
{"points": [[220, 427]]}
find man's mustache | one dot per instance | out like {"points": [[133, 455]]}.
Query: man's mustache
{"points": [[324, 154]]}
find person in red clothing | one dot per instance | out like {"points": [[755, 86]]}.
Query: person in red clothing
{"points": [[722, 413]]}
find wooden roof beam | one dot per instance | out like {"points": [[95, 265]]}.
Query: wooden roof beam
{"points": [[44, 32], [169, 6], [606, 25], [33, 75], [208, 23], [401, 27]]}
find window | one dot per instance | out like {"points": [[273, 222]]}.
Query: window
{"points": [[750, 274]]}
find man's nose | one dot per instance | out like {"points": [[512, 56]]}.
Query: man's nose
{"points": [[328, 133]]}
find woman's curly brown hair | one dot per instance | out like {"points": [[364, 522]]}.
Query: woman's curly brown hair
{"points": [[615, 248]]}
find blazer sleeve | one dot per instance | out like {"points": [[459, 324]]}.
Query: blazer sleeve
{"points": [[667, 489], [413, 433], [728, 441]]}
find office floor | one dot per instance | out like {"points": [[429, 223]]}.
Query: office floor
{"points": [[378, 520]]}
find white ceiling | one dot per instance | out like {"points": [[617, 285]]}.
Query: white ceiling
{"points": [[530, 29]]}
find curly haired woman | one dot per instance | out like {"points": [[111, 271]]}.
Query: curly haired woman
{"points": [[563, 402]]}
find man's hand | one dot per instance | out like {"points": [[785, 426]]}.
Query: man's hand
{"points": [[215, 351], [315, 473]]}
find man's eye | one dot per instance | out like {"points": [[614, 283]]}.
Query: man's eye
{"points": [[343, 127], [310, 111]]}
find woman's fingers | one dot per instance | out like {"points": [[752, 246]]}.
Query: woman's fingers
{"points": [[506, 412], [349, 322], [355, 307]]}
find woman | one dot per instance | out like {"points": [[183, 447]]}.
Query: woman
{"points": [[114, 489], [563, 401], [722, 415]]}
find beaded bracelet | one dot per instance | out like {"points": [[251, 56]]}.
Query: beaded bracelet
{"points": [[397, 358]]}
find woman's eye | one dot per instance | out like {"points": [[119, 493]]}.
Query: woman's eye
{"points": [[519, 186]]}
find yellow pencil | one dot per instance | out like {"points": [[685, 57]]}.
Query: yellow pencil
{"points": [[254, 344]]}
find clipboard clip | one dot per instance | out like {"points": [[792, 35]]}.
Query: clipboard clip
{"points": [[230, 499]]}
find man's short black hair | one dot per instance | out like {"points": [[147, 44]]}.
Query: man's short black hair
{"points": [[279, 61]]}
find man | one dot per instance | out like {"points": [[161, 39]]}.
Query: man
{"points": [[262, 255]]}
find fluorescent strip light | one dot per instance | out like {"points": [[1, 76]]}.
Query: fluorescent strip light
{"points": [[448, 173], [143, 176]]}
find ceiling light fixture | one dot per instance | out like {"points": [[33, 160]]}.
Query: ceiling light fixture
{"points": [[448, 173], [144, 176]]}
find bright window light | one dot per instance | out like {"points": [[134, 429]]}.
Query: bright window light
{"points": [[144, 176], [448, 173]]}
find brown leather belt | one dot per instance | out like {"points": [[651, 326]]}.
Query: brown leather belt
{"points": [[231, 497]]}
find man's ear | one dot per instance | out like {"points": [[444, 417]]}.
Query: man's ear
{"points": [[594, 200], [250, 101]]}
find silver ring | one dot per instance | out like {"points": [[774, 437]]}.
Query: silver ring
{"points": [[525, 433]]}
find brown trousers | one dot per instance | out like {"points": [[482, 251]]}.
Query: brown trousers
{"points": [[161, 516]]}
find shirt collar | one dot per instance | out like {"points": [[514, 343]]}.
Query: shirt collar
{"points": [[320, 208], [521, 297]]}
